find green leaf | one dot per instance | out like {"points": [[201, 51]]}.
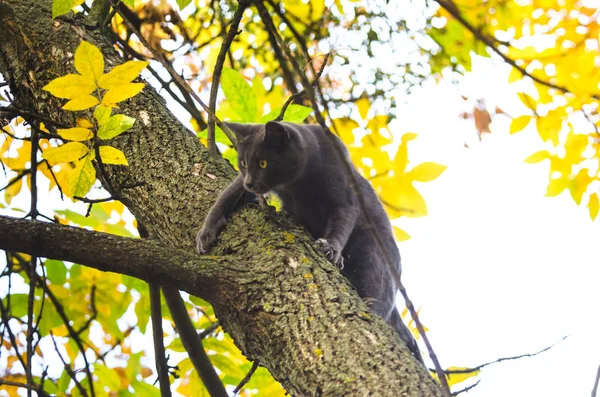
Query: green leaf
{"points": [[183, 3], [81, 179], [115, 125], [102, 113], [56, 271], [239, 94], [296, 113], [220, 136], [142, 311], [81, 220], [61, 7], [18, 304], [107, 377], [144, 389]]}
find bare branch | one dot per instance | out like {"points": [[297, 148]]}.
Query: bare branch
{"points": [[212, 102], [162, 367], [192, 345], [246, 379]]}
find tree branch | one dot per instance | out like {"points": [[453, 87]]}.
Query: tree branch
{"points": [[162, 367], [212, 102], [192, 344], [491, 43]]}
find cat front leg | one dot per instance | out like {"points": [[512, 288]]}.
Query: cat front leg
{"points": [[339, 227], [215, 220]]}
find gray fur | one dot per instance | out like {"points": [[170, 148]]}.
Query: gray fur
{"points": [[304, 170]]}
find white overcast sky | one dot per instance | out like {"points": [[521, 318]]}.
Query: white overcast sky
{"points": [[497, 268]]}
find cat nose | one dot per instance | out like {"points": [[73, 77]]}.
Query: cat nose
{"points": [[249, 185]]}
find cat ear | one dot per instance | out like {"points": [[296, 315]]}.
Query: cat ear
{"points": [[243, 131], [277, 134]]}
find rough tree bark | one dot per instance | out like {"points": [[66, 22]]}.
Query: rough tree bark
{"points": [[281, 301]]}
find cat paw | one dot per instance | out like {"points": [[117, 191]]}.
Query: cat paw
{"points": [[332, 253], [205, 239]]}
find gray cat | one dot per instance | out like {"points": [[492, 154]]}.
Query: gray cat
{"points": [[300, 164]]}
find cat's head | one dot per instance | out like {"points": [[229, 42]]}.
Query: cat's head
{"points": [[269, 155]]}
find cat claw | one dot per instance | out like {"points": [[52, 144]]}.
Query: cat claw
{"points": [[331, 253]]}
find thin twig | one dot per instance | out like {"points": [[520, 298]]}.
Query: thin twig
{"points": [[68, 368], [456, 393], [300, 93], [175, 76], [24, 386], [212, 328], [34, 259], [246, 378], [212, 102], [191, 343], [11, 335], [162, 366], [499, 360], [20, 112]]}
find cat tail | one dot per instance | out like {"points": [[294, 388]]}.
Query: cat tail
{"points": [[405, 334]]}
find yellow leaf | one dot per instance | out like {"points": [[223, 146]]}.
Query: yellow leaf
{"points": [[400, 198], [71, 151], [344, 127], [454, 379], [13, 190], [81, 103], [519, 124], [400, 235], [579, 185], [574, 147], [593, 205], [70, 86], [122, 74], [363, 107], [376, 125], [89, 61], [81, 178], [426, 172], [527, 100], [537, 157], [514, 75], [401, 158], [123, 92], [75, 134], [111, 155], [84, 123], [549, 126], [555, 187]]}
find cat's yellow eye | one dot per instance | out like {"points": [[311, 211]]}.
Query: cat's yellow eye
{"points": [[243, 163], [262, 163]]}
